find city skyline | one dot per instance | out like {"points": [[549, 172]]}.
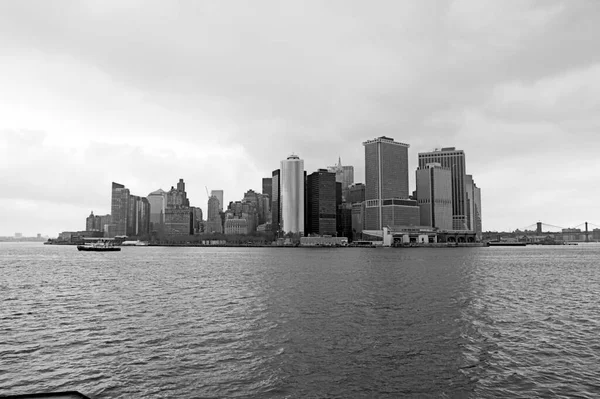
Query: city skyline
{"points": [[515, 86]]}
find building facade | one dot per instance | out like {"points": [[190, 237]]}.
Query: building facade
{"points": [[292, 195], [158, 205], [356, 193], [473, 207], [454, 160], [219, 195], [119, 209], [434, 196], [276, 201], [179, 216], [386, 185], [344, 174], [267, 187], [321, 203], [97, 222]]}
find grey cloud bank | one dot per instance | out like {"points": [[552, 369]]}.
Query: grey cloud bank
{"points": [[217, 93]]}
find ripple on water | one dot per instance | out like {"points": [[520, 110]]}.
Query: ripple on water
{"points": [[216, 322]]}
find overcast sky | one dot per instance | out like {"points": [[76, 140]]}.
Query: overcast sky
{"points": [[218, 92]]}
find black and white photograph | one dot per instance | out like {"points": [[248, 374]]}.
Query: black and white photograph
{"points": [[299, 199]]}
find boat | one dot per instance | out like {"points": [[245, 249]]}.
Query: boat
{"points": [[506, 244], [137, 243], [99, 245]]}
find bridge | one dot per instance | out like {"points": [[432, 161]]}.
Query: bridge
{"points": [[538, 228]]}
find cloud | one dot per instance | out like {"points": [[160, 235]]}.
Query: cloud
{"points": [[145, 93]]}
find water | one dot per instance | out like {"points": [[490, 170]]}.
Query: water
{"points": [[258, 322]]}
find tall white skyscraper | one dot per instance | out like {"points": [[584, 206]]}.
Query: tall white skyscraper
{"points": [[292, 195]]}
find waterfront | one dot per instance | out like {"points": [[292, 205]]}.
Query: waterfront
{"points": [[258, 322]]}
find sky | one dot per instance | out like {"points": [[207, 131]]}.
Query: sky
{"points": [[144, 93]]}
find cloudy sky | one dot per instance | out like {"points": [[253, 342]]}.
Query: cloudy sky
{"points": [[218, 92]]}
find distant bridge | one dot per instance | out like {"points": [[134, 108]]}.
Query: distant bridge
{"points": [[538, 228]]}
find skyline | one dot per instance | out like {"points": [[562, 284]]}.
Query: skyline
{"points": [[202, 92]]}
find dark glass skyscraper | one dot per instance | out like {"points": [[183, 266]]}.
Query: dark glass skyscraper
{"points": [[275, 201], [321, 203]]}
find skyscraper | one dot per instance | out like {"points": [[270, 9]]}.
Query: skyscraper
{"points": [[158, 204], [267, 187], [276, 201], [213, 219], [179, 216], [473, 206], [321, 203], [386, 181], [434, 196], [453, 159], [219, 195], [343, 175], [292, 195], [119, 209]]}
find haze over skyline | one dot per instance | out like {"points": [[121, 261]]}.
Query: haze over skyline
{"points": [[144, 93]]}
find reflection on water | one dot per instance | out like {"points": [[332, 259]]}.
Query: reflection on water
{"points": [[261, 322]]}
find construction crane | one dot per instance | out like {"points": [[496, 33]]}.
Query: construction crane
{"points": [[207, 192]]}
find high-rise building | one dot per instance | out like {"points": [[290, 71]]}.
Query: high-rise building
{"points": [[356, 193], [219, 195], [292, 195], [213, 208], [179, 216], [158, 205], [434, 196], [96, 222], [267, 187], [130, 214], [138, 219], [473, 206], [321, 203], [119, 209], [344, 174], [276, 201], [453, 159], [386, 185]]}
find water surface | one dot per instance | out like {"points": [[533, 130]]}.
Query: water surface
{"points": [[153, 322]]}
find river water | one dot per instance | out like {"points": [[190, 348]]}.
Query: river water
{"points": [[151, 322]]}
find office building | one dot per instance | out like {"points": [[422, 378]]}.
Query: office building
{"points": [[219, 195], [138, 218], [321, 203], [179, 216], [356, 193], [276, 201], [119, 209], [343, 175], [130, 214], [97, 222], [213, 208], [473, 207], [267, 188], [454, 160], [386, 185], [434, 196], [292, 195], [158, 205]]}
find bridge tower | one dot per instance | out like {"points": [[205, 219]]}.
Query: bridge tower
{"points": [[538, 230], [587, 237]]}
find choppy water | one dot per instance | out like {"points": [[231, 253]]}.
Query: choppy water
{"points": [[259, 322]]}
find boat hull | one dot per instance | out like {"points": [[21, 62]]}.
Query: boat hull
{"points": [[97, 249]]}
